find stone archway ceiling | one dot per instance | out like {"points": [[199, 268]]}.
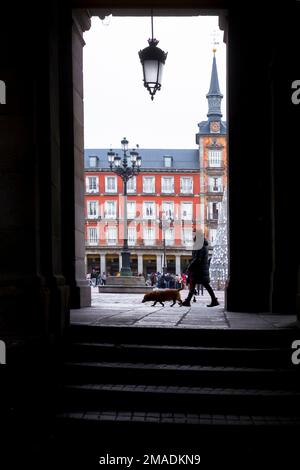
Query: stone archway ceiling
{"points": [[212, 7], [142, 7]]}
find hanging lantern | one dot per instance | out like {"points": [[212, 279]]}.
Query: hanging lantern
{"points": [[153, 60]]}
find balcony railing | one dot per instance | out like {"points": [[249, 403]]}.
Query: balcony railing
{"points": [[153, 244], [148, 190], [92, 191], [187, 243], [92, 241], [215, 166], [214, 189], [149, 242], [212, 217], [111, 190], [167, 191], [108, 215], [111, 242]]}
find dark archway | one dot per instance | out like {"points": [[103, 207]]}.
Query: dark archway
{"points": [[42, 172]]}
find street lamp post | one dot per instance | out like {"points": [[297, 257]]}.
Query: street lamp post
{"points": [[126, 171], [165, 256], [163, 222]]}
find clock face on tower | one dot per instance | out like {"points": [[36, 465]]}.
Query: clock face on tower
{"points": [[215, 126]]}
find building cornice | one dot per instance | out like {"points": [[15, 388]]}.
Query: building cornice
{"points": [[142, 172]]}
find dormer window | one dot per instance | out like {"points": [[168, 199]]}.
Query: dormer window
{"points": [[168, 161], [93, 161]]}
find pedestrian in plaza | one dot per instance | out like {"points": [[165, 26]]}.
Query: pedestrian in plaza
{"points": [[98, 281], [178, 281], [198, 273], [103, 279], [167, 280], [153, 279], [199, 288], [94, 276], [161, 284]]}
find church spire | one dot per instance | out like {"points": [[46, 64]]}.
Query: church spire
{"points": [[214, 96]]}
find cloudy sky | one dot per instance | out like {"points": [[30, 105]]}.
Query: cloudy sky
{"points": [[117, 105]]}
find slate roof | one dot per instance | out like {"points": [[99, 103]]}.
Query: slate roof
{"points": [[152, 159]]}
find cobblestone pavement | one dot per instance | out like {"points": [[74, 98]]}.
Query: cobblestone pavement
{"points": [[128, 310]]}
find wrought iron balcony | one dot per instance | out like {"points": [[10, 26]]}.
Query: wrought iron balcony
{"points": [[92, 241], [215, 189]]}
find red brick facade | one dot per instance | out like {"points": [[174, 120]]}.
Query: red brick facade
{"points": [[177, 205]]}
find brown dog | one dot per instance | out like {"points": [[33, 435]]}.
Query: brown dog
{"points": [[162, 295]]}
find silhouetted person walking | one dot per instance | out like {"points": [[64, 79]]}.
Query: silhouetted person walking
{"points": [[198, 272]]}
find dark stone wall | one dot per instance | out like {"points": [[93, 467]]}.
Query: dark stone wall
{"points": [[39, 281], [263, 192], [285, 158], [249, 162]]}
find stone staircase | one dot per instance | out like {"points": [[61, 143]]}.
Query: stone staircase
{"points": [[198, 390]]}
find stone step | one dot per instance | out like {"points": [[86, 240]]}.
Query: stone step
{"points": [[275, 357], [235, 441], [178, 374], [282, 338], [216, 392], [182, 399], [180, 419]]}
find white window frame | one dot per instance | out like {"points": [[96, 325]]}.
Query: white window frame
{"points": [[212, 187], [92, 188], [132, 235], [210, 211], [131, 185], [92, 240], [187, 236], [170, 187], [108, 213], [149, 240], [183, 188], [131, 214], [92, 209], [184, 205], [111, 190], [111, 240], [167, 210], [215, 158], [149, 188], [169, 236], [151, 204]]}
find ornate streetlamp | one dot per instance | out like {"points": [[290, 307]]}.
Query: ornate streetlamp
{"points": [[164, 222], [126, 168], [153, 60]]}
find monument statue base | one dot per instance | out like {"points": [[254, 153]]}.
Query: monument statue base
{"points": [[125, 284]]}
